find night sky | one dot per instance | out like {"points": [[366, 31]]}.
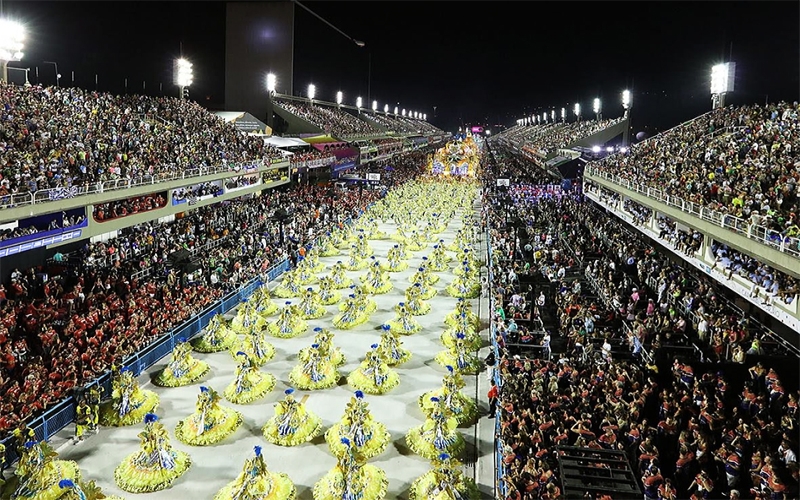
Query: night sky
{"points": [[477, 62]]}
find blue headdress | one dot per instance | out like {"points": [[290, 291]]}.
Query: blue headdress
{"points": [[150, 418], [318, 329], [257, 449], [66, 483], [345, 441], [374, 346], [460, 336], [30, 444], [288, 302], [450, 368], [360, 394], [435, 399], [386, 328], [288, 391], [314, 345], [203, 388]]}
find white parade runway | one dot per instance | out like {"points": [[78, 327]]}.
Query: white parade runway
{"points": [[214, 466]]}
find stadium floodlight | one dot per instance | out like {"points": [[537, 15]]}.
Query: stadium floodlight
{"points": [[623, 150], [339, 98], [415, 115], [609, 149], [12, 36], [595, 149], [577, 110], [563, 114], [544, 117], [359, 102], [404, 112], [312, 91], [385, 109], [425, 116], [627, 100], [272, 82], [396, 111], [553, 116], [722, 80], [374, 105], [184, 76], [596, 105]]}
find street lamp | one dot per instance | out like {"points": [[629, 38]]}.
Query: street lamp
{"points": [[339, 98], [184, 76], [627, 101], [358, 102], [272, 83], [312, 92], [577, 111], [396, 111], [374, 106], [12, 34], [385, 109], [596, 108]]}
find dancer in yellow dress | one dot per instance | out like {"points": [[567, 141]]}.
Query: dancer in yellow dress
{"points": [[445, 481], [289, 323], [374, 232], [262, 298], [404, 323], [394, 261], [338, 277], [392, 348], [363, 249], [249, 383], [327, 292], [352, 315], [416, 306], [312, 261], [368, 304], [437, 435], [256, 482], [436, 260], [427, 273], [460, 357], [247, 318], [156, 465], [129, 403], [314, 370], [183, 369], [464, 287], [39, 472], [464, 331], [414, 242], [305, 272], [256, 346], [71, 490], [328, 247], [368, 436], [210, 423], [376, 281], [426, 291], [401, 234], [374, 376], [311, 305], [292, 423], [324, 339], [218, 337], [289, 287], [464, 408], [355, 262], [352, 479], [456, 317]]}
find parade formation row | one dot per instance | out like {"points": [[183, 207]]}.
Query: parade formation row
{"points": [[357, 437]]}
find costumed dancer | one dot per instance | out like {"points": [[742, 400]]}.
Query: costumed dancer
{"points": [[368, 436], [338, 277], [427, 273], [352, 479], [363, 298], [403, 251], [324, 339], [466, 332], [443, 251], [374, 232], [444, 482], [464, 287], [256, 482], [292, 423], [262, 298], [250, 383], [327, 292], [391, 348], [460, 357], [210, 423], [404, 324], [426, 291], [156, 465], [83, 421], [355, 262], [363, 249], [456, 317], [217, 337], [437, 435], [351, 316], [305, 272], [414, 301], [39, 472], [374, 376], [129, 403], [400, 234], [464, 408], [182, 369], [376, 281], [414, 242], [436, 261], [247, 318], [394, 261], [313, 263], [467, 267], [256, 346], [329, 247], [313, 371], [71, 490], [289, 323], [289, 287], [311, 305]]}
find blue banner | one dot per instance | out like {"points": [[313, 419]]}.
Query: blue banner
{"points": [[341, 167], [55, 236]]}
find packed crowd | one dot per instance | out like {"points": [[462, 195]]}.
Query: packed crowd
{"points": [[546, 138], [196, 191], [122, 208], [62, 328], [686, 436], [62, 137], [312, 155], [336, 122], [739, 160], [59, 221], [242, 181]]}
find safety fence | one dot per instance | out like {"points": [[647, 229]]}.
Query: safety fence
{"points": [[54, 419], [500, 472]]}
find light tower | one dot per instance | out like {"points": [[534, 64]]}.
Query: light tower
{"points": [[184, 76], [339, 98], [563, 114], [722, 79], [597, 109], [12, 36], [312, 92], [577, 111]]}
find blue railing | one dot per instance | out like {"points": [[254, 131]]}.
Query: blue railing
{"points": [[500, 470], [60, 416]]}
